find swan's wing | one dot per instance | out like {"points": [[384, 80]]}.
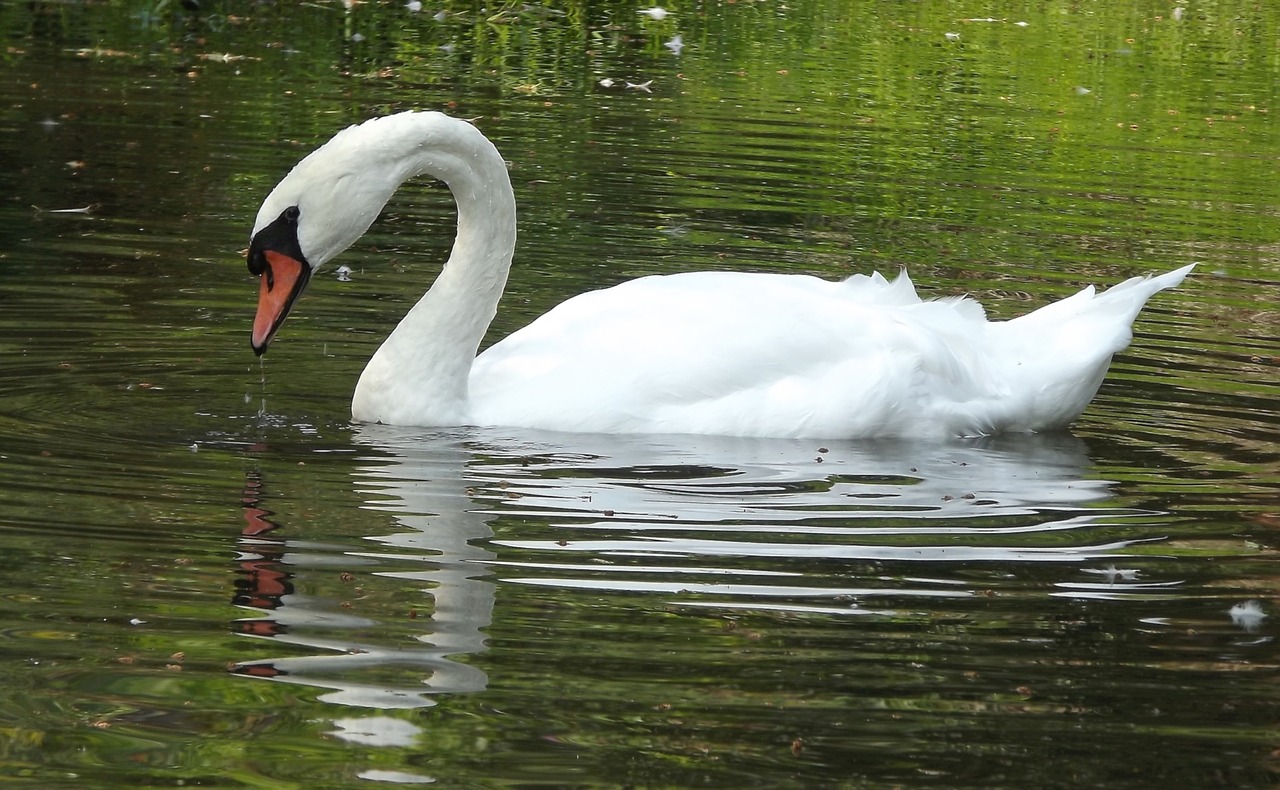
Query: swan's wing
{"points": [[738, 354]]}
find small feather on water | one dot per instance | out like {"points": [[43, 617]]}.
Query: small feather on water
{"points": [[1247, 615]]}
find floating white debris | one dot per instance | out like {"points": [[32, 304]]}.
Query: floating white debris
{"points": [[1178, 12], [414, 6], [952, 36], [1082, 90], [395, 777], [447, 48], [357, 37], [222, 57], [657, 13], [1247, 615], [344, 274], [675, 44], [640, 86], [1020, 24], [606, 83], [136, 621], [81, 210], [440, 16], [1115, 574]]}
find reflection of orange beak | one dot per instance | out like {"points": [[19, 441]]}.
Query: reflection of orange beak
{"points": [[282, 282]]}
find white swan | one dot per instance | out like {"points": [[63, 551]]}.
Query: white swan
{"points": [[713, 353]]}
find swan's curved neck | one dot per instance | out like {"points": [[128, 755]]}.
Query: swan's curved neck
{"points": [[419, 374]]}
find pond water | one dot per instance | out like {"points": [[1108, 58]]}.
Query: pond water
{"points": [[213, 578]]}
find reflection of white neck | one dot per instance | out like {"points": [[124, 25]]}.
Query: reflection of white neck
{"points": [[419, 374], [423, 482]]}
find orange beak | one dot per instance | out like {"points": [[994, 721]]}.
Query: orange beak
{"points": [[281, 283]]}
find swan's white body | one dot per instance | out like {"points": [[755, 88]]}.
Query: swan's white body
{"points": [[714, 353]]}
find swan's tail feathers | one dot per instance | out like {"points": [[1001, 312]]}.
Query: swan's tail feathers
{"points": [[1135, 291], [1120, 303], [1052, 361]]}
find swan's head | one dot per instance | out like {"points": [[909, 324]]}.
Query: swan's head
{"points": [[319, 209], [276, 257], [333, 195], [330, 199]]}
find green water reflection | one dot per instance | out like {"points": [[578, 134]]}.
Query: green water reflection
{"points": [[212, 578]]}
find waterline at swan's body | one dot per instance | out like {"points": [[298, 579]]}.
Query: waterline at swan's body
{"points": [[713, 352]]}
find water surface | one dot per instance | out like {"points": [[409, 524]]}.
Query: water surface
{"points": [[212, 577]]}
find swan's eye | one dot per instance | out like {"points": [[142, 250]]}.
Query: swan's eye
{"points": [[291, 214]]}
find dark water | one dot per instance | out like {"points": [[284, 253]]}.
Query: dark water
{"points": [[212, 578]]}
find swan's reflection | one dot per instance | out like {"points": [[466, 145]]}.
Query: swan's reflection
{"points": [[710, 521], [423, 485], [795, 525]]}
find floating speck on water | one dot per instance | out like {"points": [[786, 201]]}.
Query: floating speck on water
{"points": [[952, 36], [605, 83], [344, 274], [414, 6], [1082, 90], [1178, 12], [640, 86], [675, 44], [357, 37], [1247, 615], [657, 13], [1115, 574], [395, 777]]}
